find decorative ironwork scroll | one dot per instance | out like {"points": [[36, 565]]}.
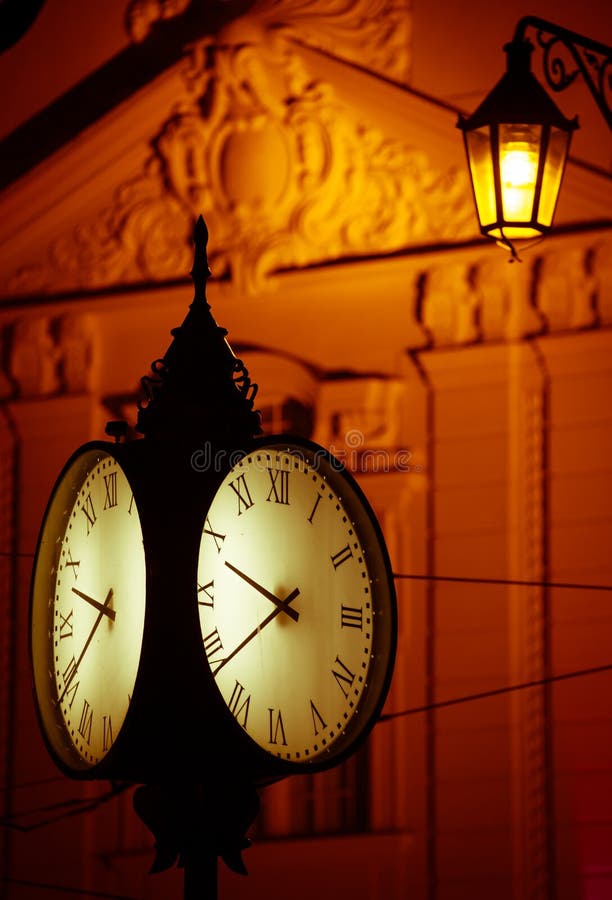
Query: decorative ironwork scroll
{"points": [[568, 54]]}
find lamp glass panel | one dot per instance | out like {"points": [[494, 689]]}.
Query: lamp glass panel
{"points": [[558, 145], [519, 151], [480, 158]]}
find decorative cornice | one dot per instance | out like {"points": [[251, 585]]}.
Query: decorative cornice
{"points": [[141, 15], [47, 357], [373, 33]]}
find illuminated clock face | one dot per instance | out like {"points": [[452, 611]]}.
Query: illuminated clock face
{"points": [[88, 609], [296, 606]]}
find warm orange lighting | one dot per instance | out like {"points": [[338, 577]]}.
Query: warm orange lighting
{"points": [[516, 143]]}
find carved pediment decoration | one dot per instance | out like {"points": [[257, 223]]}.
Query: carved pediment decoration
{"points": [[143, 235], [284, 174], [287, 177]]}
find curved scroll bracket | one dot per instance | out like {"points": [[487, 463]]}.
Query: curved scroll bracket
{"points": [[568, 54]]}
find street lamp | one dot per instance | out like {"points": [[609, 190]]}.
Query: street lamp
{"points": [[517, 141]]}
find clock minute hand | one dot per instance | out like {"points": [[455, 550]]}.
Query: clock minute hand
{"points": [[283, 606], [280, 604], [101, 607]]}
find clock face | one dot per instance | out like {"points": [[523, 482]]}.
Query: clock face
{"points": [[296, 604], [88, 609]]}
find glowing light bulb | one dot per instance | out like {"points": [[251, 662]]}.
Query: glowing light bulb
{"points": [[518, 173]]}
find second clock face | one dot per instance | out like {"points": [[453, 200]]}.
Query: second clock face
{"points": [[286, 605], [88, 609]]}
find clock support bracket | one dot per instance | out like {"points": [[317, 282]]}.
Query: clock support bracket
{"points": [[194, 825]]}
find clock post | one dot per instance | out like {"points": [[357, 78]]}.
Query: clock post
{"points": [[199, 395]]}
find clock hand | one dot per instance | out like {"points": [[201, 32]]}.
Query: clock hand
{"points": [[281, 604], [74, 670], [101, 607]]}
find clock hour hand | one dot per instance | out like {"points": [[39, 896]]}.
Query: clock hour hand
{"points": [[283, 606], [104, 609], [280, 604], [101, 607]]}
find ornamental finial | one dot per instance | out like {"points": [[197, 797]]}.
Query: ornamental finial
{"points": [[200, 272], [199, 390]]}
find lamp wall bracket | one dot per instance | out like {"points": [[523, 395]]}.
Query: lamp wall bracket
{"points": [[583, 56]]}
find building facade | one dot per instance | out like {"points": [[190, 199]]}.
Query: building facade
{"points": [[470, 397]]}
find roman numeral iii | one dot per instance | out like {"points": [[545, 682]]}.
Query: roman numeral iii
{"points": [[351, 617]]}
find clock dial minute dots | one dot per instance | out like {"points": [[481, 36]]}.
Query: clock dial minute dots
{"points": [[95, 670], [89, 592], [294, 602]]}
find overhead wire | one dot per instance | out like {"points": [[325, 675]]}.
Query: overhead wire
{"points": [[71, 807], [510, 582], [66, 889], [507, 689], [36, 782], [495, 692]]}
